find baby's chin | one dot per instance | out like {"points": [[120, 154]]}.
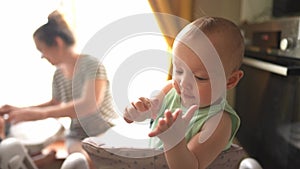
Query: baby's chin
{"points": [[189, 102]]}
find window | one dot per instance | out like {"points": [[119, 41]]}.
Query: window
{"points": [[26, 79]]}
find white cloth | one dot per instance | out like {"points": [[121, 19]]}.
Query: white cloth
{"points": [[75, 161]]}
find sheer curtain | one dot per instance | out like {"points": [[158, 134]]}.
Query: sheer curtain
{"points": [[168, 26]]}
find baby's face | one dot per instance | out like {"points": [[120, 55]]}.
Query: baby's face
{"points": [[192, 80]]}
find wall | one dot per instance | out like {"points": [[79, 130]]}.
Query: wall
{"points": [[228, 9], [256, 10]]}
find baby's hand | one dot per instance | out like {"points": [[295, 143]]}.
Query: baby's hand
{"points": [[138, 111], [142, 105], [142, 109], [171, 129]]}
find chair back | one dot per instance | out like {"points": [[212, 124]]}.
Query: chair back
{"points": [[229, 159], [13, 155]]}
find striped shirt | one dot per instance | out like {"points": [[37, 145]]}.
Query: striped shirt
{"points": [[64, 90]]}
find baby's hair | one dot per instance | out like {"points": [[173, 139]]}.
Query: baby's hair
{"points": [[55, 27], [230, 46]]}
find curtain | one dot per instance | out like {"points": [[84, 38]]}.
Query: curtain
{"points": [[169, 26]]}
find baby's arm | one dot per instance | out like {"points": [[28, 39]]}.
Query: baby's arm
{"points": [[172, 128], [202, 149]]}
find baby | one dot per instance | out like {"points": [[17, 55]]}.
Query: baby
{"points": [[192, 120]]}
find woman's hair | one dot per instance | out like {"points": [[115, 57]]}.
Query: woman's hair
{"points": [[55, 27]]}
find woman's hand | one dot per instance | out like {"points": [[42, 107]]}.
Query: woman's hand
{"points": [[171, 129], [6, 109], [2, 128], [26, 114]]}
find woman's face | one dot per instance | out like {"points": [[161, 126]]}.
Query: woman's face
{"points": [[48, 52]]}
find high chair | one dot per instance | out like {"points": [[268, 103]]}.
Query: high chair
{"points": [[13, 155], [108, 151]]}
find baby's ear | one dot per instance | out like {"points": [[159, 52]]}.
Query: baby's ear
{"points": [[234, 79]]}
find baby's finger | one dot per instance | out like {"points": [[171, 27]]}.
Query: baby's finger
{"points": [[140, 106], [161, 127], [177, 113], [169, 118], [146, 102], [190, 113], [153, 133]]}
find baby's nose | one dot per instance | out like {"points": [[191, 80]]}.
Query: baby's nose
{"points": [[187, 82]]}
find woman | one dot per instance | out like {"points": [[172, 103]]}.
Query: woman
{"points": [[80, 88]]}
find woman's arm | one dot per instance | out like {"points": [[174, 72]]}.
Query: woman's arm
{"points": [[6, 109], [52, 102], [92, 97]]}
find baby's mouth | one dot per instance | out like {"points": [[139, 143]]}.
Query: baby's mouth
{"points": [[187, 95]]}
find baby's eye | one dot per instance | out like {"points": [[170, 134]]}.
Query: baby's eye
{"points": [[201, 78], [179, 72]]}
